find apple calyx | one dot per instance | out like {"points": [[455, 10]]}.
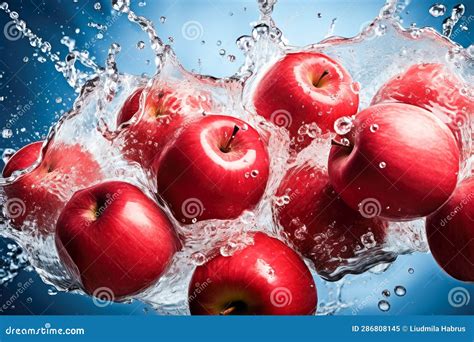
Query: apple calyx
{"points": [[226, 148], [318, 83]]}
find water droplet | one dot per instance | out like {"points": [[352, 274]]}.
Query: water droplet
{"points": [[343, 125], [140, 44], [384, 305], [199, 258], [437, 10], [59, 100], [382, 165], [386, 293], [400, 291], [254, 173], [97, 6], [52, 291], [162, 20], [222, 52], [219, 43], [7, 133], [7, 154], [411, 270], [374, 128]]}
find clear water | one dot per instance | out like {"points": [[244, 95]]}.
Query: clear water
{"points": [[384, 48]]}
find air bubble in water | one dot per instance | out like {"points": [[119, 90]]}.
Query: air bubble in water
{"points": [[59, 100], [97, 6], [222, 52], [162, 19], [141, 45], [411, 270], [382, 165], [343, 125], [386, 293], [400, 291], [384, 305], [437, 10]]}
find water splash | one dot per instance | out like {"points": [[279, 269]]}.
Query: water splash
{"points": [[91, 122]]}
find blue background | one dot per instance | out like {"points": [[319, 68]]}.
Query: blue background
{"points": [[39, 87]]}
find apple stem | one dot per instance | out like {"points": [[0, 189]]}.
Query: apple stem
{"points": [[227, 311], [226, 148], [317, 84]]}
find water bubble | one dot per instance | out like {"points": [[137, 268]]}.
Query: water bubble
{"points": [[386, 293], [400, 291], [142, 4], [199, 258], [141, 45], [97, 6], [384, 305], [7, 133], [374, 127], [59, 100], [121, 5], [7, 154], [219, 43], [254, 173], [437, 10], [162, 19], [52, 291], [343, 125], [382, 165], [222, 52], [411, 270]]}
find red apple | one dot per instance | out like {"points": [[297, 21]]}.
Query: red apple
{"points": [[217, 168], [450, 233], [115, 239], [433, 87], [318, 222], [399, 161], [165, 108], [39, 196], [266, 278], [304, 88]]}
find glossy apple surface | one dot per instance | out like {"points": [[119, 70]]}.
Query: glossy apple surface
{"points": [[400, 161], [435, 88], [318, 222], [304, 88], [217, 168], [450, 233], [266, 278], [115, 239], [37, 198], [166, 106]]}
